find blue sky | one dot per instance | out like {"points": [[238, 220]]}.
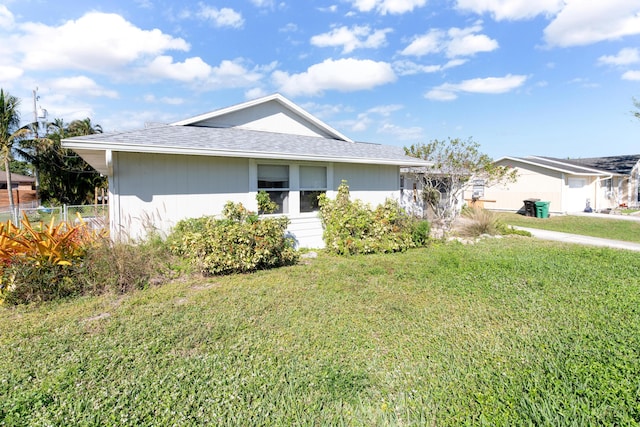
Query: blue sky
{"points": [[520, 77]]}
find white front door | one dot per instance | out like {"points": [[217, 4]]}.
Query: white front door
{"points": [[577, 195]]}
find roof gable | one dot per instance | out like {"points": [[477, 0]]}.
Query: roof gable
{"points": [[273, 113], [554, 164]]}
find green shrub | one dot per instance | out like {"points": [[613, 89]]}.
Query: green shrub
{"points": [[265, 204], [510, 230], [27, 281], [238, 243], [420, 230], [351, 227]]}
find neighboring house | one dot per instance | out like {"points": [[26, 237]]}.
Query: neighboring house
{"points": [[24, 190], [571, 185], [162, 174]]}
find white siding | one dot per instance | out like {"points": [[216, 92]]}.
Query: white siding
{"points": [[158, 190], [155, 191], [372, 184]]}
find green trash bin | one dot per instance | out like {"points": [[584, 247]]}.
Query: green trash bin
{"points": [[542, 209]]}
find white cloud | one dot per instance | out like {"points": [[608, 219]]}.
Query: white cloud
{"points": [[81, 85], [263, 3], [191, 69], [631, 75], [361, 124], [408, 68], [356, 37], [583, 22], [152, 99], [512, 9], [8, 72], [236, 73], [144, 4], [99, 42], [463, 42], [289, 28], [404, 134], [488, 85], [385, 110], [224, 17], [331, 9], [383, 7], [6, 17], [325, 111], [626, 56], [364, 120], [345, 75], [255, 93], [453, 43], [432, 42]]}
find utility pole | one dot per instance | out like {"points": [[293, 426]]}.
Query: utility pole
{"points": [[35, 112], [36, 130]]}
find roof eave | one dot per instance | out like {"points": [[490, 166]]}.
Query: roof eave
{"points": [[89, 145], [558, 169]]}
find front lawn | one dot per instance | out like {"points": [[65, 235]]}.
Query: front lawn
{"points": [[617, 229], [508, 331]]}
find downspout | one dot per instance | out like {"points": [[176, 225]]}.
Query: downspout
{"points": [[115, 223]]}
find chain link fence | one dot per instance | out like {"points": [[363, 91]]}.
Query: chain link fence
{"points": [[96, 216]]}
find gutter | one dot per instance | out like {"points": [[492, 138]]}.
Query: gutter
{"points": [[81, 145]]}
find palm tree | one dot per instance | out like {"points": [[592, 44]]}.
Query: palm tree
{"points": [[84, 127], [10, 133]]}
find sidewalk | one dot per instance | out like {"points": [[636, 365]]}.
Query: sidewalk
{"points": [[581, 240]]}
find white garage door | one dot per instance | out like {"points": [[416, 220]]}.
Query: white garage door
{"points": [[577, 195]]}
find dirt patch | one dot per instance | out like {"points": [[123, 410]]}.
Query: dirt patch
{"points": [[205, 286], [98, 317]]}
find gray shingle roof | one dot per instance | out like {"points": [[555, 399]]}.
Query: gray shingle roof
{"points": [[246, 143], [560, 164], [615, 164], [16, 178]]}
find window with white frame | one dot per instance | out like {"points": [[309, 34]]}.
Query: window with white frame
{"points": [[274, 179], [313, 183]]}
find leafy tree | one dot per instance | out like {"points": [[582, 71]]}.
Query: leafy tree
{"points": [[20, 167], [454, 163], [64, 176], [10, 134]]}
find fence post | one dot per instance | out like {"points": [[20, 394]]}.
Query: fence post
{"points": [[64, 213]]}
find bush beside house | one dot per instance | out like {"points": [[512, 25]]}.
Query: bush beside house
{"points": [[238, 243], [351, 227]]}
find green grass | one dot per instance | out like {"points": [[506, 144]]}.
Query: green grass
{"points": [[505, 332], [617, 229]]}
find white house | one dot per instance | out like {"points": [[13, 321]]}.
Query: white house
{"points": [[571, 185], [162, 174]]}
